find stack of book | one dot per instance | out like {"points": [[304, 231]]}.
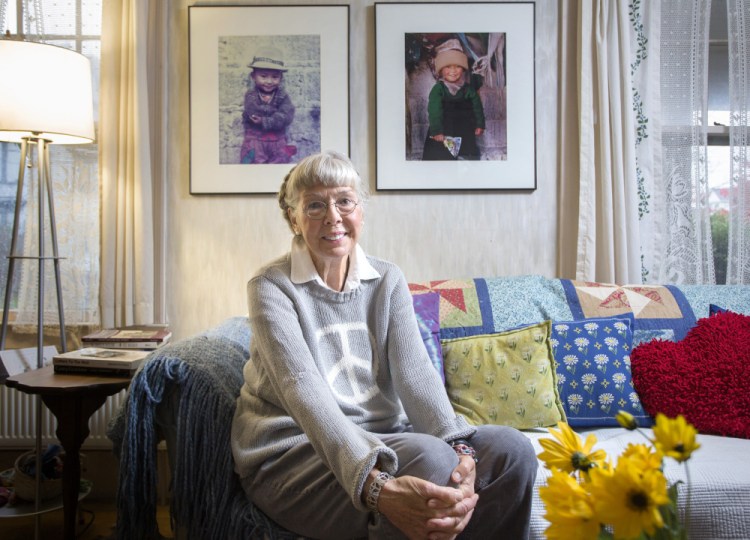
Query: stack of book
{"points": [[96, 361], [145, 338]]}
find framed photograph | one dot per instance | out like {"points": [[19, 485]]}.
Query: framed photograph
{"points": [[455, 91], [269, 85]]}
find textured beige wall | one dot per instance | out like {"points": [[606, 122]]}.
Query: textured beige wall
{"points": [[215, 243]]}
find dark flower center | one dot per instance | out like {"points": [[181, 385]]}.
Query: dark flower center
{"points": [[638, 501], [581, 461]]}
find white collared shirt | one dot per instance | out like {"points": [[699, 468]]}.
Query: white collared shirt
{"points": [[303, 269]]}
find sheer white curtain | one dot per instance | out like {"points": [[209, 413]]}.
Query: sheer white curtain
{"points": [[646, 70], [634, 184], [76, 194], [599, 233], [738, 25], [132, 276], [676, 242]]}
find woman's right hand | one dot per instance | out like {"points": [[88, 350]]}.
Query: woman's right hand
{"points": [[422, 510]]}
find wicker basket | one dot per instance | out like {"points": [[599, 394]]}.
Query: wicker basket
{"points": [[25, 485]]}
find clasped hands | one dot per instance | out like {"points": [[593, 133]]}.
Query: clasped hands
{"points": [[423, 510]]}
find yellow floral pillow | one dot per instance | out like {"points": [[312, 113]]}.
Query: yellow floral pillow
{"points": [[506, 378]]}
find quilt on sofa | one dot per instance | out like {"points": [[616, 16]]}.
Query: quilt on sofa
{"points": [[486, 305]]}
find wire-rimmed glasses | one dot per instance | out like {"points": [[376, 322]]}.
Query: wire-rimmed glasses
{"points": [[318, 209]]}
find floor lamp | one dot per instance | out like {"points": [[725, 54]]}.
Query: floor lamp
{"points": [[45, 98]]}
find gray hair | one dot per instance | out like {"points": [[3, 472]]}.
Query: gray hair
{"points": [[328, 169]]}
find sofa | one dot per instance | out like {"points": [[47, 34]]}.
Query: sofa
{"points": [[185, 394]]}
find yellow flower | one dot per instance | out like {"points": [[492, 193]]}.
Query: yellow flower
{"points": [[569, 454], [587, 497], [626, 420], [569, 509], [642, 454], [674, 437], [628, 498]]}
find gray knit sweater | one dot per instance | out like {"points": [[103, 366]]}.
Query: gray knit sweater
{"points": [[336, 369]]}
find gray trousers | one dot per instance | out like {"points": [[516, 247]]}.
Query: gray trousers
{"points": [[301, 494]]}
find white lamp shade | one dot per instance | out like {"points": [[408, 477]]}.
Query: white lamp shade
{"points": [[45, 93]]}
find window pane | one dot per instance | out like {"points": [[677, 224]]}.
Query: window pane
{"points": [[9, 22], [718, 171], [718, 23], [718, 66], [59, 17], [718, 200], [718, 85], [718, 151], [91, 17], [91, 49]]}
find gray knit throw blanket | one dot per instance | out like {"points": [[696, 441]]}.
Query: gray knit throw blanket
{"points": [[201, 378]]}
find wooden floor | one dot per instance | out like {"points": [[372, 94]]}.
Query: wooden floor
{"points": [[99, 521]]}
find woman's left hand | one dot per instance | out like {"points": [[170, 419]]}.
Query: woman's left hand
{"points": [[422, 510], [463, 476]]}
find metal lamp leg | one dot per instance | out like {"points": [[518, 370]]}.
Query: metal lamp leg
{"points": [[13, 242], [45, 183]]}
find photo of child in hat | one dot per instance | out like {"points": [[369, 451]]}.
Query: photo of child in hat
{"points": [[268, 111], [454, 108]]}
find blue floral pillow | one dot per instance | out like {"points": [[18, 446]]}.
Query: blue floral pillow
{"points": [[592, 358]]}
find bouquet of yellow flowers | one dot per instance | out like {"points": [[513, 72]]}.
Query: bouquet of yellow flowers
{"points": [[588, 497]]}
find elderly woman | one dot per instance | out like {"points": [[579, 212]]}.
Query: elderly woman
{"points": [[343, 428]]}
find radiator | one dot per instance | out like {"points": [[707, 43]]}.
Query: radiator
{"points": [[18, 421]]}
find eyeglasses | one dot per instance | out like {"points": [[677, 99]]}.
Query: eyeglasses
{"points": [[318, 209]]}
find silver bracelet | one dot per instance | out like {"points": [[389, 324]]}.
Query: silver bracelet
{"points": [[373, 492], [464, 449]]}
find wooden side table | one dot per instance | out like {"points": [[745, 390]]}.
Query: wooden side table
{"points": [[72, 399]]}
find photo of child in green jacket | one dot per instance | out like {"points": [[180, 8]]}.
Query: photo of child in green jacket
{"points": [[456, 115]]}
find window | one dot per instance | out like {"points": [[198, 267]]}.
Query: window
{"points": [[718, 136], [74, 24]]}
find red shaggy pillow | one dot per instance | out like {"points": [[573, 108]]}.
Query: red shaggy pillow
{"points": [[705, 377]]}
